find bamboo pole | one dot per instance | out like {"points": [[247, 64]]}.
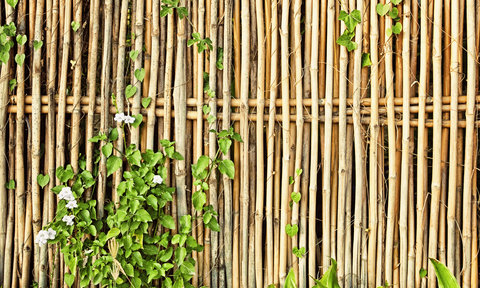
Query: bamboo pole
{"points": [[137, 98], [251, 213], [19, 157], [374, 130], [226, 94], [470, 114], [27, 248], [392, 175], [259, 201], [77, 85], [7, 279], [152, 88], [358, 152], [404, 186], [168, 88], [314, 143], [148, 47], [411, 214]]}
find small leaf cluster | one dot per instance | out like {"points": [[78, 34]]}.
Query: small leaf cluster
{"points": [[383, 9], [170, 5], [351, 20], [202, 44], [292, 230]]}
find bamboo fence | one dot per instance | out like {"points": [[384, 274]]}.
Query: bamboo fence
{"points": [[383, 156]]}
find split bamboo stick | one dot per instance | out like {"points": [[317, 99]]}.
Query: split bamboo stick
{"points": [[7, 279], [77, 85], [28, 238], [137, 98], [152, 89], [168, 89]]}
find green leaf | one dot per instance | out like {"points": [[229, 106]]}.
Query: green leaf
{"points": [[224, 144], [393, 13], [19, 58], [180, 254], [290, 280], [366, 60], [167, 221], [84, 215], [75, 26], [11, 184], [298, 252], [65, 174], [112, 233], [389, 32], [298, 172], [42, 180], [113, 136], [146, 102], [291, 230], [397, 28], [351, 20], [69, 279], [13, 4], [207, 217], [290, 180], [133, 54], [211, 119], [12, 84], [178, 283], [227, 167], [296, 196], [167, 254], [138, 120], [182, 12], [219, 58], [113, 163], [107, 149], [142, 215], [329, 279], [21, 40], [396, 2], [130, 91], [93, 230], [37, 44], [382, 9], [213, 225], [135, 158], [128, 268], [152, 201], [165, 11], [140, 74], [199, 199], [423, 273], [445, 277], [138, 257], [206, 109], [4, 56], [150, 249], [185, 224]]}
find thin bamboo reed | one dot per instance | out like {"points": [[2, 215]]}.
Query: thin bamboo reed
{"points": [[27, 248], [7, 279], [77, 85], [137, 98], [152, 89]]}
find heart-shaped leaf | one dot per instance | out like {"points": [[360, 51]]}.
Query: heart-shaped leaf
{"points": [[19, 58], [75, 26], [146, 102], [4, 57], [10, 184], [140, 74], [130, 91], [291, 230], [12, 3], [389, 32], [21, 40], [43, 180], [382, 9], [133, 54], [138, 120], [393, 13], [397, 28], [296, 196], [298, 252], [366, 60], [37, 44], [396, 2], [12, 84]]}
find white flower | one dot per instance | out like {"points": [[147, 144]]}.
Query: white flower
{"points": [[41, 238], [66, 194], [72, 204], [51, 234], [119, 117], [129, 119], [68, 219], [157, 179], [88, 251]]}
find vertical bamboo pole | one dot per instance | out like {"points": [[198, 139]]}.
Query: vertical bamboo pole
{"points": [[152, 89], [251, 213], [411, 215], [4, 99], [403, 216], [7, 279], [374, 132], [342, 165], [77, 85], [168, 89], [452, 180], [276, 203], [437, 144], [212, 138], [273, 31], [19, 155], [148, 48], [470, 116], [314, 143], [357, 127], [327, 157], [226, 94], [104, 95], [299, 121], [137, 98], [286, 141], [421, 156], [36, 134], [260, 144], [27, 248], [391, 153], [348, 209]]}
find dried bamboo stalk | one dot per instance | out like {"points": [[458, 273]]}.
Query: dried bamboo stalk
{"points": [[404, 186], [137, 98], [148, 49], [259, 201], [452, 180], [411, 214], [251, 209], [155, 54], [7, 279], [19, 157], [236, 209], [276, 201], [391, 154], [77, 85], [314, 144], [105, 92], [28, 240], [470, 114], [348, 210], [226, 94], [374, 145]]}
